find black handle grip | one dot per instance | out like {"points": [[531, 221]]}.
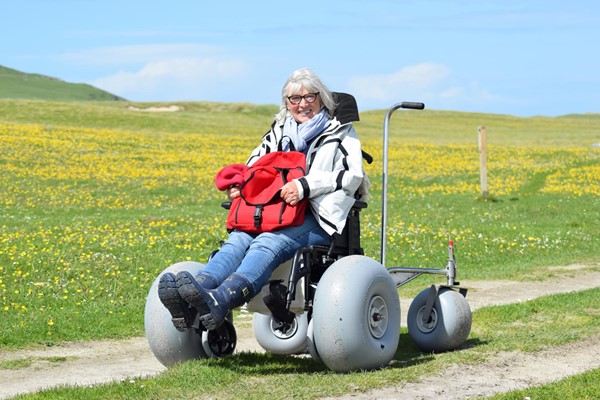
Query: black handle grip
{"points": [[412, 105]]}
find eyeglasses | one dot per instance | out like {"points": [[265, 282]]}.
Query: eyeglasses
{"points": [[309, 97]]}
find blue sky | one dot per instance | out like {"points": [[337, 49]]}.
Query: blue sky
{"points": [[525, 58]]}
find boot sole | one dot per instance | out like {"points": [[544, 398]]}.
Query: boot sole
{"points": [[170, 298], [209, 322], [188, 290]]}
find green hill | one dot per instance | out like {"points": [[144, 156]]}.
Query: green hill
{"points": [[20, 85]]}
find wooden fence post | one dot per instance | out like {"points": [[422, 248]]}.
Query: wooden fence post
{"points": [[483, 160]]}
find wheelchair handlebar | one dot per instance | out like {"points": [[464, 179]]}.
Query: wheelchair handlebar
{"points": [[412, 105], [408, 105]]}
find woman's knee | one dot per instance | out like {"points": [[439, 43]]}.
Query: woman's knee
{"points": [[270, 243]]}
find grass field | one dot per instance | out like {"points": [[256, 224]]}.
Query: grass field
{"points": [[97, 199]]}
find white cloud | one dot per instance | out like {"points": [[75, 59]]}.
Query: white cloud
{"points": [[174, 79], [452, 92], [407, 82], [431, 83]]}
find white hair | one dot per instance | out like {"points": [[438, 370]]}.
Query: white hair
{"points": [[307, 79]]}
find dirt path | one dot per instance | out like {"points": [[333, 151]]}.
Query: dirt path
{"points": [[96, 362], [506, 371]]}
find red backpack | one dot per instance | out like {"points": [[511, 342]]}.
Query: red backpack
{"points": [[259, 208]]}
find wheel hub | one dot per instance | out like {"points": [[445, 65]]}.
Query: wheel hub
{"points": [[429, 323], [283, 330], [378, 316]]}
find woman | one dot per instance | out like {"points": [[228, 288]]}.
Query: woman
{"points": [[308, 121]]}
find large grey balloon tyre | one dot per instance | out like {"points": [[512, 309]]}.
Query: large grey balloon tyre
{"points": [[310, 340], [269, 338], [356, 315], [169, 345], [447, 328]]}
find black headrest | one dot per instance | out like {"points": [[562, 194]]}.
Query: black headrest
{"points": [[346, 109]]}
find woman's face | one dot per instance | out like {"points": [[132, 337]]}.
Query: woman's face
{"points": [[303, 111]]}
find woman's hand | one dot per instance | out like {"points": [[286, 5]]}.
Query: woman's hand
{"points": [[233, 192], [290, 194]]}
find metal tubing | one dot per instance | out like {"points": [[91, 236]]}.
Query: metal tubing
{"points": [[435, 271], [402, 275], [384, 174]]}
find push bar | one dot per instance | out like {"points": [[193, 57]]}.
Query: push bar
{"points": [[412, 105], [405, 104]]}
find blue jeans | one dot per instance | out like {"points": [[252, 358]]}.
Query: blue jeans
{"points": [[255, 257]]}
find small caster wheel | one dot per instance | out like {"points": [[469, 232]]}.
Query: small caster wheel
{"points": [[220, 342]]}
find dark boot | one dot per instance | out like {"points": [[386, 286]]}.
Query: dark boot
{"points": [[182, 314], [190, 289], [233, 292]]}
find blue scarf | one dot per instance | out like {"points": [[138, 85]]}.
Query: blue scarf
{"points": [[301, 134]]}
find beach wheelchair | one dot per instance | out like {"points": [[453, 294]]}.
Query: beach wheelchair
{"points": [[331, 302]]}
